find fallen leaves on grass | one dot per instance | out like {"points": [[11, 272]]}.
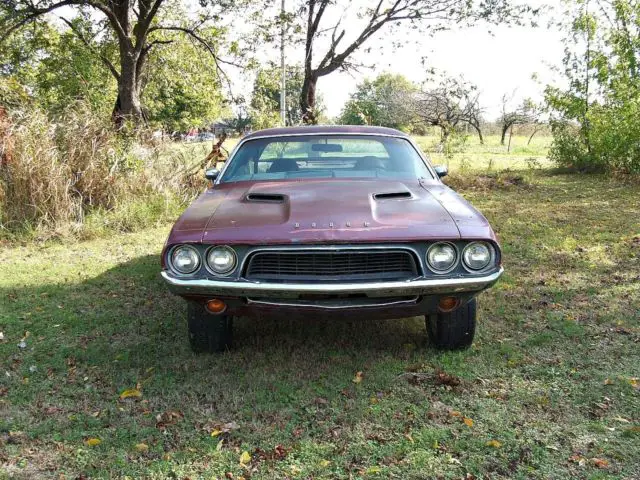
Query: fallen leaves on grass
{"points": [[278, 453], [167, 418], [92, 442], [141, 447], [245, 458], [216, 429], [599, 462], [468, 422], [131, 393], [632, 431], [493, 443], [579, 459], [443, 378], [15, 437]]}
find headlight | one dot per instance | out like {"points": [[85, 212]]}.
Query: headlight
{"points": [[442, 257], [477, 255], [221, 260], [185, 259]]}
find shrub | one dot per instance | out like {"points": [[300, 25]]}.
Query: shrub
{"points": [[611, 143]]}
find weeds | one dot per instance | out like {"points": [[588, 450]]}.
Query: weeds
{"points": [[56, 175]]}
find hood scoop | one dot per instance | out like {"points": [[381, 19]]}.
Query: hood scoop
{"points": [[265, 198], [392, 196]]}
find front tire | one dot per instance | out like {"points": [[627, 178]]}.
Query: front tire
{"points": [[453, 330], [208, 332]]}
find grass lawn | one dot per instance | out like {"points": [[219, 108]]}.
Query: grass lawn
{"points": [[550, 388]]}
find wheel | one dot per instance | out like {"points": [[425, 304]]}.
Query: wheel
{"points": [[453, 330], [207, 332]]}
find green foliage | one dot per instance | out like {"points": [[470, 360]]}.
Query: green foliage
{"points": [[265, 100], [181, 88], [184, 90], [384, 101], [12, 94], [595, 119]]}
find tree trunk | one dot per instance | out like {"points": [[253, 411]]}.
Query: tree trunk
{"points": [[505, 128], [479, 131], [444, 135], [128, 105], [308, 99]]}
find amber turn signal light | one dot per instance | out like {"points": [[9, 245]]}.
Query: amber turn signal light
{"points": [[216, 306], [447, 304]]}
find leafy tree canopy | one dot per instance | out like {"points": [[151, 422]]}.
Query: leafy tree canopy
{"points": [[384, 101]]}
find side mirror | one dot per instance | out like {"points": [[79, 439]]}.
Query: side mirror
{"points": [[211, 173], [441, 170]]}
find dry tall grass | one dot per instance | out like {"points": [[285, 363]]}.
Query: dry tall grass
{"points": [[59, 172]]}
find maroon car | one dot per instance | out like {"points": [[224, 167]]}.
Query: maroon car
{"points": [[330, 221]]}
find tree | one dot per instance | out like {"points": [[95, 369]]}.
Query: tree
{"points": [[510, 117], [594, 118], [136, 26], [58, 69], [265, 100], [239, 122], [348, 35], [384, 101], [452, 103]]}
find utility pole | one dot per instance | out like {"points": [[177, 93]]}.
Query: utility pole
{"points": [[283, 80]]}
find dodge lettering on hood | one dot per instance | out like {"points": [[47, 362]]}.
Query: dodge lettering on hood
{"points": [[354, 221]]}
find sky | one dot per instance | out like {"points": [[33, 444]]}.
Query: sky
{"points": [[497, 62]]}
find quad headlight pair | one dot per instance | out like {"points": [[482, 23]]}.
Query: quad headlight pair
{"points": [[220, 260], [442, 257]]}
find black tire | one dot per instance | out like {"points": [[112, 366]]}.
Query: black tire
{"points": [[208, 332], [453, 330]]}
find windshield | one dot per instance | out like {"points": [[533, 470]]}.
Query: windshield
{"points": [[326, 156]]}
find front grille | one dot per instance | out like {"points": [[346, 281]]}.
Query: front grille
{"points": [[319, 265]]}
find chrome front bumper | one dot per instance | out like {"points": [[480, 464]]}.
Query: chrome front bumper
{"points": [[243, 288]]}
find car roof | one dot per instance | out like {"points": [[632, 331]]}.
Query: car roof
{"points": [[325, 129]]}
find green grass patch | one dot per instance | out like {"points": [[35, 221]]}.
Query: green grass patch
{"points": [[549, 389]]}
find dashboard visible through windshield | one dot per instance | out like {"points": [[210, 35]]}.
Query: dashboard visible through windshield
{"points": [[325, 156]]}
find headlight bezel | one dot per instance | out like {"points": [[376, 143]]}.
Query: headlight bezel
{"points": [[453, 266], [172, 266], [211, 270], [491, 262]]}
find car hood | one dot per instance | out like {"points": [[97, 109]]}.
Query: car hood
{"points": [[318, 211]]}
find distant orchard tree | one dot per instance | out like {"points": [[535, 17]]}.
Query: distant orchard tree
{"points": [[384, 101], [449, 105], [524, 113]]}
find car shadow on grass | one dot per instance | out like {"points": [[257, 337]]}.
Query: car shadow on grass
{"points": [[95, 338]]}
